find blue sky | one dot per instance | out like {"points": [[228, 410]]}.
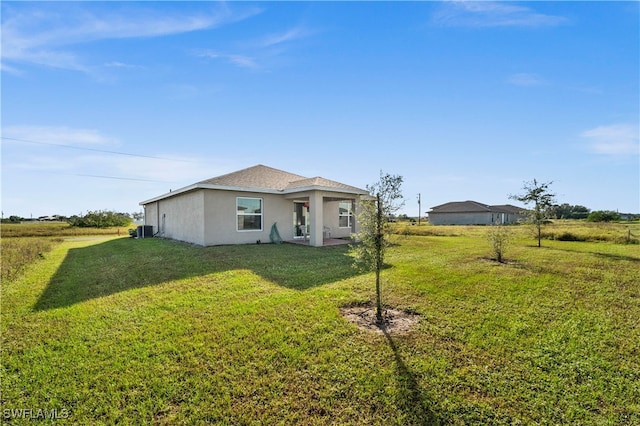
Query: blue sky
{"points": [[108, 104]]}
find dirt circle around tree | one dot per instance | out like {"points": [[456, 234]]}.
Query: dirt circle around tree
{"points": [[394, 321]]}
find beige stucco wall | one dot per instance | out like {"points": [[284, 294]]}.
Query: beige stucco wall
{"points": [[208, 217], [221, 220], [151, 215], [480, 218], [179, 217]]}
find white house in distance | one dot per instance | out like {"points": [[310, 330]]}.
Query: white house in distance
{"points": [[474, 213], [241, 208]]}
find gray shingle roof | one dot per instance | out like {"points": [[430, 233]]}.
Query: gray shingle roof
{"points": [[461, 207], [263, 177], [507, 208], [474, 207], [320, 181], [259, 177]]}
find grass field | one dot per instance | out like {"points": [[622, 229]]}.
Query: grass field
{"points": [[560, 230], [55, 229], [23, 243], [153, 331]]}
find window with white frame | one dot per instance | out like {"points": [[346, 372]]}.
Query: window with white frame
{"points": [[249, 213], [345, 214]]}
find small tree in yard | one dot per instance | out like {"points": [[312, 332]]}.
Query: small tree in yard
{"points": [[540, 195], [499, 238], [373, 235]]}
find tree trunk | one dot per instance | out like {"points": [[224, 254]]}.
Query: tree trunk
{"points": [[378, 243], [539, 234]]}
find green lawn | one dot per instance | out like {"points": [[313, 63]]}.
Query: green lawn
{"points": [[152, 331], [22, 243]]}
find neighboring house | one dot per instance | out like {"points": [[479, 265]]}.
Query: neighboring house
{"points": [[474, 213], [241, 208]]}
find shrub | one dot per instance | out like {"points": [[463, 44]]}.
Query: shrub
{"points": [[499, 238], [101, 219], [603, 216], [568, 236]]}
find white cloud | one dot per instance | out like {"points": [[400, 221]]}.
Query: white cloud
{"points": [[615, 139], [38, 162], [242, 61], [59, 135], [46, 34], [117, 64], [182, 171], [43, 149], [526, 80], [284, 37], [258, 52], [481, 14]]}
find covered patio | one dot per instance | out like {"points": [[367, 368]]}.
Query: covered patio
{"points": [[323, 216], [325, 242]]}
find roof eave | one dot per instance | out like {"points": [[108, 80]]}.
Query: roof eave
{"points": [[354, 191], [169, 194], [209, 186], [196, 186]]}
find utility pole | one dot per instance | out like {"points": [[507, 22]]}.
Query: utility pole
{"points": [[419, 209]]}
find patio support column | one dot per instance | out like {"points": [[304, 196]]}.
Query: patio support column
{"points": [[316, 219]]}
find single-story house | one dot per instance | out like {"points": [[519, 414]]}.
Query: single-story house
{"points": [[474, 213], [242, 207]]}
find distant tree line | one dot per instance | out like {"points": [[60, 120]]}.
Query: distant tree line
{"points": [[567, 211], [100, 219], [93, 219], [12, 219]]}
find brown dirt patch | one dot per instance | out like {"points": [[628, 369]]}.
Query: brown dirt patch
{"points": [[504, 261], [394, 321]]}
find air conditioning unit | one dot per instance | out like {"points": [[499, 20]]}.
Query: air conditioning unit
{"points": [[144, 231]]}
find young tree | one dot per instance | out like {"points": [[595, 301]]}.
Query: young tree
{"points": [[373, 235], [540, 195], [499, 238]]}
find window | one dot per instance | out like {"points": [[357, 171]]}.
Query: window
{"points": [[249, 214], [345, 214]]}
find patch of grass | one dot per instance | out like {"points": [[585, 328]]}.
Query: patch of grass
{"points": [[135, 331], [18, 253], [561, 230], [24, 243], [573, 230], [55, 229], [407, 228]]}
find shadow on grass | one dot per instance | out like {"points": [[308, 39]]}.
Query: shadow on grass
{"points": [[123, 264], [412, 400]]}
